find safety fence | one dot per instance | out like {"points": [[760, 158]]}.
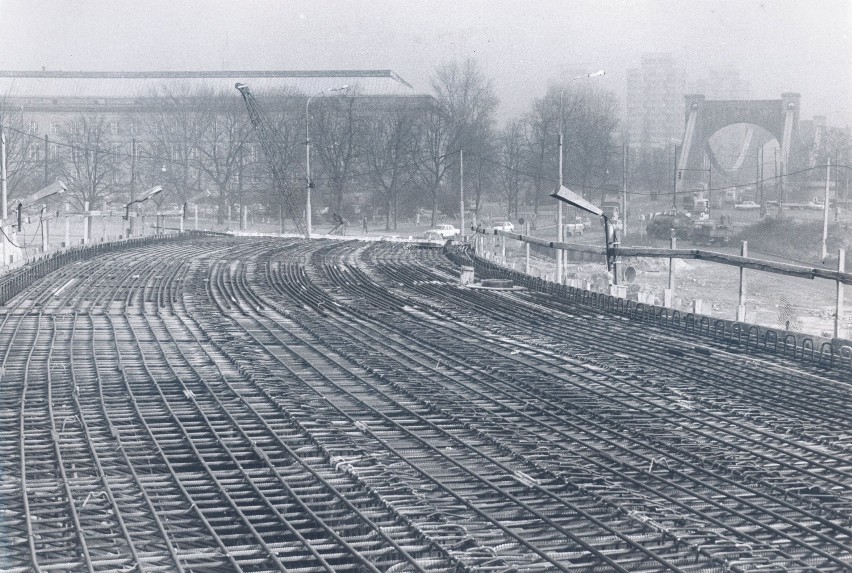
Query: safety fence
{"points": [[22, 277], [806, 348]]}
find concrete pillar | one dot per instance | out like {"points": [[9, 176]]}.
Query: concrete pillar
{"points": [[698, 306], [195, 213], [503, 248]]}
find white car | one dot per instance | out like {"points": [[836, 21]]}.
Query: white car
{"points": [[747, 205], [506, 226], [442, 232]]}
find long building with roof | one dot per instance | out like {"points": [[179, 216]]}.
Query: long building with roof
{"points": [[51, 98], [50, 105]]}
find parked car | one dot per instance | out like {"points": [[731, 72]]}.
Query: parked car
{"points": [[442, 232], [506, 226], [747, 205]]}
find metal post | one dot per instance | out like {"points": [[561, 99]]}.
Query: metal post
{"points": [[559, 207], [825, 210], [195, 213], [674, 180], [527, 247], [709, 188], [243, 217], [308, 170], [461, 193], [46, 158], [836, 192], [741, 309], [67, 225], [4, 210], [181, 220], [503, 249], [760, 180], [86, 219], [132, 183], [44, 237], [625, 151], [838, 313]]}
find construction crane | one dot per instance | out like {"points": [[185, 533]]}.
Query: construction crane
{"points": [[273, 152]]}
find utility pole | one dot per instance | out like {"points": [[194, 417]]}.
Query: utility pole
{"points": [[132, 183], [46, 159], [559, 236], [836, 192], [674, 180], [825, 209], [461, 193], [4, 208], [838, 312], [760, 180], [625, 150], [709, 187]]}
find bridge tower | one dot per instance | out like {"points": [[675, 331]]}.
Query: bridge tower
{"points": [[705, 117]]}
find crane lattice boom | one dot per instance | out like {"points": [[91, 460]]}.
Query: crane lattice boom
{"points": [[272, 151]]}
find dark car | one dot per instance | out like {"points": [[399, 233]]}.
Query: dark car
{"points": [[661, 226]]}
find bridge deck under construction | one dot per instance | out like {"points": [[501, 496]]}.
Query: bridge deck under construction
{"points": [[223, 404]]}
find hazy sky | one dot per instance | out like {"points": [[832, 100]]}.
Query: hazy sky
{"points": [[778, 45]]}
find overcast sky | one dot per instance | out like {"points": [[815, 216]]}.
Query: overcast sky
{"points": [[778, 45]]}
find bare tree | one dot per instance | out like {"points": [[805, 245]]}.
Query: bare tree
{"points": [[335, 135], [589, 122], [432, 155], [24, 155], [90, 165], [171, 140], [389, 145], [591, 118], [224, 130], [541, 125], [512, 159], [467, 101]]}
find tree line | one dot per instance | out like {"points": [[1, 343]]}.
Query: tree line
{"points": [[380, 158]]}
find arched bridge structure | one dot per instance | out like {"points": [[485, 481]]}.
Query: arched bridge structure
{"points": [[705, 117]]}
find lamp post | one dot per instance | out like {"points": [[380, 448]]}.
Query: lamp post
{"points": [[565, 195], [194, 202], [54, 188], [559, 230], [144, 197], [308, 156]]}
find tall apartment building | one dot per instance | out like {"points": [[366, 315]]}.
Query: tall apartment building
{"points": [[654, 101], [724, 84]]}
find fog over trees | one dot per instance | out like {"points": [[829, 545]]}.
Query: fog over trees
{"points": [[383, 161]]}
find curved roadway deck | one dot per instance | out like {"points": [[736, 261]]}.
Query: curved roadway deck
{"points": [[268, 405]]}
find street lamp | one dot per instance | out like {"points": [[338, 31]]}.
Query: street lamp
{"points": [[565, 195], [54, 188], [194, 202], [145, 196], [559, 230], [308, 155]]}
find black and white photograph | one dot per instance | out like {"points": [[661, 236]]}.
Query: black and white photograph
{"points": [[433, 286]]}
